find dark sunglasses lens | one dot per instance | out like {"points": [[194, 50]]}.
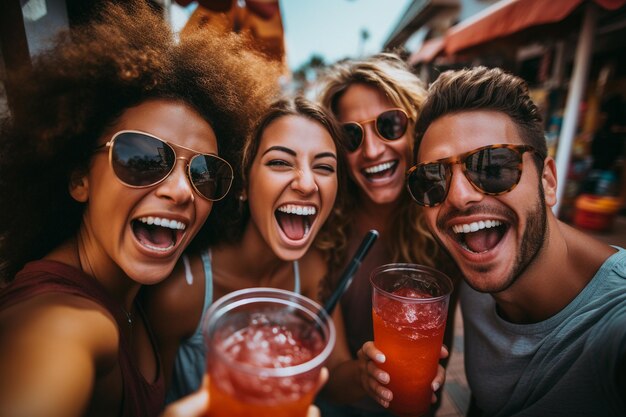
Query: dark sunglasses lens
{"points": [[139, 160], [392, 124], [353, 135], [494, 170], [210, 176], [428, 184]]}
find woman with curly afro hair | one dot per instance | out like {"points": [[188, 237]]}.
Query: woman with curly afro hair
{"points": [[109, 168]]}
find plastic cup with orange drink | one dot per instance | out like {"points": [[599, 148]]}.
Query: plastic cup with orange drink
{"points": [[265, 350], [410, 307]]}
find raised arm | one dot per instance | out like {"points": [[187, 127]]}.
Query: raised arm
{"points": [[53, 350]]}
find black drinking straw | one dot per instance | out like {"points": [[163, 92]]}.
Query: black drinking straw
{"points": [[348, 274], [346, 279]]}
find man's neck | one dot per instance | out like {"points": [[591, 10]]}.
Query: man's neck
{"points": [[567, 262]]}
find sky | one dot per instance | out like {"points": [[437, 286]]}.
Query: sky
{"points": [[332, 28], [329, 28]]}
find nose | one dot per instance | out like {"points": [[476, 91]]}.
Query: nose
{"points": [[461, 193], [373, 145], [304, 181], [177, 186]]}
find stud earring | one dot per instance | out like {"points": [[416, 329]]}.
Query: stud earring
{"points": [[242, 202]]}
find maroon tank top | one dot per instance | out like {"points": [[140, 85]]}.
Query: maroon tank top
{"points": [[140, 397]]}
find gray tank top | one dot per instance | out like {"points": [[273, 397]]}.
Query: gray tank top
{"points": [[190, 362]]}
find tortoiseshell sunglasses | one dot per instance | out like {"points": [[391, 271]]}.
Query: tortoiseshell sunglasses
{"points": [[493, 170]]}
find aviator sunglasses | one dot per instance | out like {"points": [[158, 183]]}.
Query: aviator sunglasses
{"points": [[141, 160], [390, 125], [492, 170]]}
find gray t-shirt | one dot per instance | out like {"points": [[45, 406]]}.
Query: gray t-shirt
{"points": [[563, 366]]}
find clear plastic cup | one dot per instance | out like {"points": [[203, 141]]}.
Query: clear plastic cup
{"points": [[410, 307], [266, 348]]}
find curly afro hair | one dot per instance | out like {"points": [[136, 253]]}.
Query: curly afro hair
{"points": [[81, 86]]}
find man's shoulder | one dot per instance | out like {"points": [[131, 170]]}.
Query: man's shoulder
{"points": [[613, 270]]}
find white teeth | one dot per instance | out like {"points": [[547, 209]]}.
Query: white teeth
{"points": [[170, 224], [379, 168], [475, 226], [298, 210]]}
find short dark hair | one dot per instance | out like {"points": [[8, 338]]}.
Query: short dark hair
{"points": [[481, 88], [83, 84]]}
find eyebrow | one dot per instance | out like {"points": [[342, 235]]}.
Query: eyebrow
{"points": [[293, 153], [281, 149], [325, 155]]}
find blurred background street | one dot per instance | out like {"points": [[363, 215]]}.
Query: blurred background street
{"points": [[572, 53]]}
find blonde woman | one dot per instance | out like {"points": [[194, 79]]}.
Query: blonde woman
{"points": [[377, 100]]}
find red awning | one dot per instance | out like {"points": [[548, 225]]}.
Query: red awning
{"points": [[428, 51], [511, 16]]}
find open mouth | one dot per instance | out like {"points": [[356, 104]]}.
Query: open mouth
{"points": [[158, 233], [384, 170], [295, 220], [480, 236]]}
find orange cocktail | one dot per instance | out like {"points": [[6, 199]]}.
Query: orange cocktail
{"points": [[266, 348], [410, 305]]}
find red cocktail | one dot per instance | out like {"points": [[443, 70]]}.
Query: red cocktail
{"points": [[410, 306], [264, 359]]}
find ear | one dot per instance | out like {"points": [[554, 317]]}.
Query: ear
{"points": [[549, 181], [79, 186]]}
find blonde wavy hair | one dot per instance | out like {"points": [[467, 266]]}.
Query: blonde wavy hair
{"points": [[388, 73]]}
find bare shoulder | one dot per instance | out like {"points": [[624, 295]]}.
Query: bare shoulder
{"points": [[313, 269], [52, 348], [61, 318]]}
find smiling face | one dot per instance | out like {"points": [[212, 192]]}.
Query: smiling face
{"points": [[292, 184], [143, 231], [492, 238], [378, 165]]}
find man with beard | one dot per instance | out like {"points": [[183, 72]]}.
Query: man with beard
{"points": [[544, 304]]}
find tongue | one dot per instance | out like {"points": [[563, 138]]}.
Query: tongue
{"points": [[292, 225], [157, 236], [482, 240]]}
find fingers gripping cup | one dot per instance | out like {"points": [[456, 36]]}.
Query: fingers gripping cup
{"points": [[265, 351], [410, 307]]}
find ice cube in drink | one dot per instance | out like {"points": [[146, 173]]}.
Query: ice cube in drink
{"points": [[409, 315], [265, 360]]}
